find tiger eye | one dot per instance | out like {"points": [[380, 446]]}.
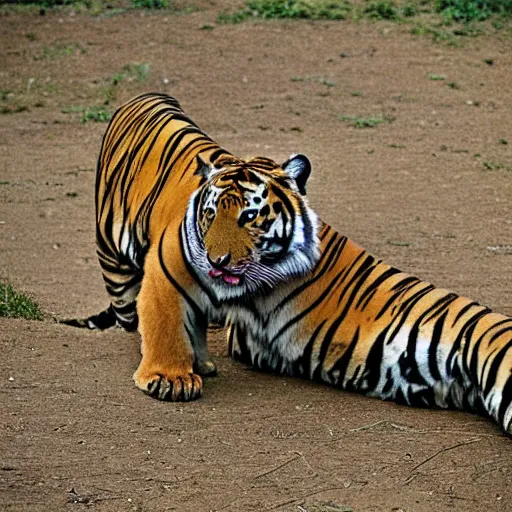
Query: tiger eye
{"points": [[247, 216]]}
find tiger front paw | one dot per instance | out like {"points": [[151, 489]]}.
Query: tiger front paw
{"points": [[171, 386]]}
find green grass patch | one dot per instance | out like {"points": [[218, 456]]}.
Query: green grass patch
{"points": [[445, 21], [60, 50], [95, 113], [150, 4], [364, 122], [496, 166], [95, 7], [437, 33], [17, 305], [45, 3], [290, 9], [433, 77], [472, 10], [449, 10], [382, 10], [136, 71], [133, 72]]}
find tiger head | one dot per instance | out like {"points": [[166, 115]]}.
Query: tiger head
{"points": [[248, 226]]}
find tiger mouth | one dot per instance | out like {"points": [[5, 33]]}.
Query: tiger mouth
{"points": [[230, 277]]}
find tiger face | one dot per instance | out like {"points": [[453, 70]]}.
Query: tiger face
{"points": [[249, 227]]}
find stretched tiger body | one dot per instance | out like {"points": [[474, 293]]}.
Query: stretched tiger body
{"points": [[188, 234]]}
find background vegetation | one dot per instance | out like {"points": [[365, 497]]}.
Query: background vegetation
{"points": [[17, 305]]}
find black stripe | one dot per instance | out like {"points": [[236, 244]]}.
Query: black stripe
{"points": [[465, 353], [458, 340], [463, 311], [281, 194], [342, 363], [297, 291], [474, 346], [195, 308], [360, 275], [374, 285], [125, 310], [403, 282], [432, 351], [191, 269], [496, 363], [307, 354], [442, 304], [408, 361], [362, 272], [373, 364], [411, 301], [336, 252], [506, 401], [296, 319], [216, 154], [496, 335]]}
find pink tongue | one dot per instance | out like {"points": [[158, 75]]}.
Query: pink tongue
{"points": [[231, 279], [215, 273]]}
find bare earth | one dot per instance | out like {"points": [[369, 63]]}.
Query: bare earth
{"points": [[429, 190]]}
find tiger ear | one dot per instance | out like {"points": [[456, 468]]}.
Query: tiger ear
{"points": [[203, 168], [298, 167]]}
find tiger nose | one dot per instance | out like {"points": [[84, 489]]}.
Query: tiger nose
{"points": [[221, 261]]}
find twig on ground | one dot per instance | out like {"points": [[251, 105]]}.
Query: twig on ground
{"points": [[307, 463], [448, 448], [369, 426], [271, 470], [378, 423]]}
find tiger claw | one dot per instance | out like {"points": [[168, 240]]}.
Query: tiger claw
{"points": [[181, 388]]}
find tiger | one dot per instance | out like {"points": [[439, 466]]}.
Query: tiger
{"points": [[189, 234]]}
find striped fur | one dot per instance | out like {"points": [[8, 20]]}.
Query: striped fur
{"points": [[361, 325], [189, 234]]}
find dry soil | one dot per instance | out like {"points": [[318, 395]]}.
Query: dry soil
{"points": [[428, 190]]}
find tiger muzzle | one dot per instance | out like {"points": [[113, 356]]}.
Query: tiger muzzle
{"points": [[221, 270]]}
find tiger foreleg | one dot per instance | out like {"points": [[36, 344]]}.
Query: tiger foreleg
{"points": [[169, 331]]}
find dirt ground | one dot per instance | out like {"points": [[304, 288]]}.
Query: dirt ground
{"points": [[428, 190]]}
